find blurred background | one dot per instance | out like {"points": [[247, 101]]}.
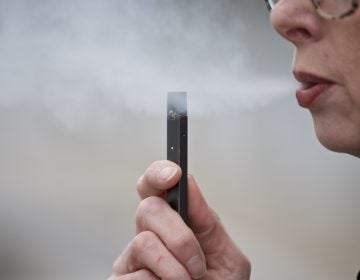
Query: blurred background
{"points": [[82, 113]]}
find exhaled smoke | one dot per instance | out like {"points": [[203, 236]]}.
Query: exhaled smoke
{"points": [[83, 59]]}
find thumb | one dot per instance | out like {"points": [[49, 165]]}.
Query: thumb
{"points": [[204, 222], [215, 242]]}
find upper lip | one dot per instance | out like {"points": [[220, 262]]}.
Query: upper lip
{"points": [[309, 78]]}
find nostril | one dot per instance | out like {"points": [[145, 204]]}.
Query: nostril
{"points": [[298, 34]]}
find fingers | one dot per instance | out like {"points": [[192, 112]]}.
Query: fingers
{"points": [[155, 215], [146, 251], [159, 177], [207, 235], [142, 274], [162, 175]]}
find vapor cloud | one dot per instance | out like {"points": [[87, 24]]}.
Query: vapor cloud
{"points": [[85, 60]]}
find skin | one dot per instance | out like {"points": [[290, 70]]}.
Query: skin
{"points": [[165, 247], [330, 49]]}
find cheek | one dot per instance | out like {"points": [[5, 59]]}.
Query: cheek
{"points": [[345, 64], [348, 64], [354, 92], [352, 76]]}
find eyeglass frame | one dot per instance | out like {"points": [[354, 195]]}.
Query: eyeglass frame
{"points": [[353, 9]]}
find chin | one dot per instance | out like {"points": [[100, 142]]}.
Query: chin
{"points": [[338, 138], [339, 147]]}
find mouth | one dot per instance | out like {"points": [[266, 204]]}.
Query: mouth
{"points": [[311, 87]]}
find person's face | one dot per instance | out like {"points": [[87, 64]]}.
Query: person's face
{"points": [[327, 65]]}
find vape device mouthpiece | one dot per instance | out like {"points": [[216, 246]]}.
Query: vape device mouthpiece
{"points": [[177, 104]]}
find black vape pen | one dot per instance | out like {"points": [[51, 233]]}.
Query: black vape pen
{"points": [[177, 122]]}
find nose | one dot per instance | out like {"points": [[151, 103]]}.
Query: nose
{"points": [[297, 21]]}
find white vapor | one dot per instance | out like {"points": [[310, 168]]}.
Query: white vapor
{"points": [[85, 60]]}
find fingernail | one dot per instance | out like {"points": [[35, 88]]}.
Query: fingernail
{"points": [[196, 267], [167, 173]]}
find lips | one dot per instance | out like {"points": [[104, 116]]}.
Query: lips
{"points": [[311, 87]]}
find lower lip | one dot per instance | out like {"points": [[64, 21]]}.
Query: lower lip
{"points": [[307, 97]]}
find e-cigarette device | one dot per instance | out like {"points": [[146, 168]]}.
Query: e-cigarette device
{"points": [[177, 123]]}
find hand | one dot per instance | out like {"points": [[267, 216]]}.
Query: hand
{"points": [[166, 248]]}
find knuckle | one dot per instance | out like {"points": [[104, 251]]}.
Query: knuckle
{"points": [[246, 264], [144, 241], [242, 265], [216, 220], [139, 182], [114, 269], [183, 240], [150, 206], [146, 274], [117, 266]]}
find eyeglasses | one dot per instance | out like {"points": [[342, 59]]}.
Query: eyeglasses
{"points": [[328, 9]]}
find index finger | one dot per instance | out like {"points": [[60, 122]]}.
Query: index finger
{"points": [[159, 177]]}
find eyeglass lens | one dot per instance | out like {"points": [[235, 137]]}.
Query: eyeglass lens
{"points": [[328, 8], [334, 7]]}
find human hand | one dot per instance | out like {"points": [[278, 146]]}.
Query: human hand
{"points": [[166, 248]]}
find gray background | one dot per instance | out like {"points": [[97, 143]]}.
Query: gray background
{"points": [[82, 113]]}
